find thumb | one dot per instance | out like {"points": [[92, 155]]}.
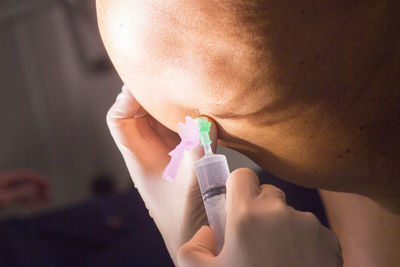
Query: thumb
{"points": [[130, 126], [199, 251]]}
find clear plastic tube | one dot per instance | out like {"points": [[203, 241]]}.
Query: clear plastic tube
{"points": [[212, 171]]}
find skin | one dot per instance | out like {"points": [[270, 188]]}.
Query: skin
{"points": [[308, 90], [299, 90], [369, 235]]}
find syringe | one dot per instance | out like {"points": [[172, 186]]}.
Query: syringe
{"points": [[212, 171]]}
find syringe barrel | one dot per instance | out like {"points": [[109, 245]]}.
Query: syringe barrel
{"points": [[212, 171]]}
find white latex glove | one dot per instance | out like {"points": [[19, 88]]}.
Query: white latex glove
{"points": [[262, 230], [176, 207]]}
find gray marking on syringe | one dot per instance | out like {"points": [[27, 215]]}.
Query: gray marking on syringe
{"points": [[214, 191]]}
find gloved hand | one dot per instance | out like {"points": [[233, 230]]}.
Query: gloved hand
{"points": [[262, 230], [176, 207], [25, 187]]}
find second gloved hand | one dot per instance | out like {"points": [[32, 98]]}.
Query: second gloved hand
{"points": [[261, 230]]}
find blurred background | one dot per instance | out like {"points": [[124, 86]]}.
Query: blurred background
{"points": [[56, 85]]}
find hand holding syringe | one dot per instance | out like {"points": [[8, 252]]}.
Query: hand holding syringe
{"points": [[212, 171]]}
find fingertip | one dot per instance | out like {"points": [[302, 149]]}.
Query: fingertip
{"points": [[199, 250], [204, 236], [242, 182], [243, 176], [125, 106], [125, 88]]}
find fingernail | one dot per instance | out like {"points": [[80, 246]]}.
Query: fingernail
{"points": [[126, 98], [125, 88], [125, 102]]}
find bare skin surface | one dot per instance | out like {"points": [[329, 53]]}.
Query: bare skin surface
{"points": [[299, 90], [308, 90], [363, 246]]}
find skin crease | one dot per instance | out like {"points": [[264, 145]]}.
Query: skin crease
{"points": [[309, 90]]}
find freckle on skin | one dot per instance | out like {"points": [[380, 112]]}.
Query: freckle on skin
{"points": [[347, 151], [339, 157], [317, 57], [361, 128]]}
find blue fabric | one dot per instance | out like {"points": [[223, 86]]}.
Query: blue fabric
{"points": [[112, 231]]}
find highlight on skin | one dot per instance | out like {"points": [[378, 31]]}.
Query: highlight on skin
{"points": [[305, 89]]}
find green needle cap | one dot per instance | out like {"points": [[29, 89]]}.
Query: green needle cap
{"points": [[204, 126]]}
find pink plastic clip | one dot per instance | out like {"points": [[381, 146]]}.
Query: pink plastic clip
{"points": [[189, 134]]}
